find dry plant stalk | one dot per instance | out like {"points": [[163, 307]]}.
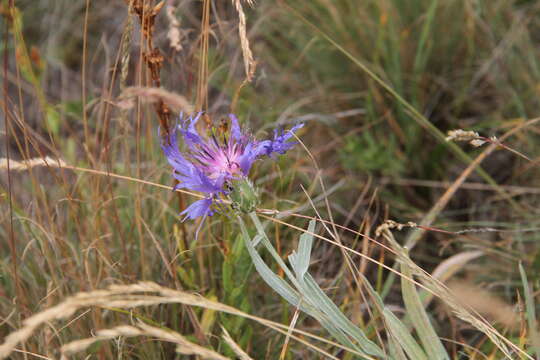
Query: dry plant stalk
{"points": [[174, 35], [461, 309], [124, 50], [122, 296], [476, 140], [249, 62], [30, 163], [184, 346], [242, 355], [154, 95], [131, 296], [151, 55], [391, 224]]}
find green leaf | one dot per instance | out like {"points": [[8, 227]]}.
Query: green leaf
{"points": [[403, 337], [531, 312], [419, 318], [307, 296], [53, 120], [311, 290], [300, 261], [423, 49], [275, 282]]}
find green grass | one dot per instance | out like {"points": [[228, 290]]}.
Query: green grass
{"points": [[378, 83]]}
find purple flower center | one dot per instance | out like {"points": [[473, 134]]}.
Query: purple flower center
{"points": [[219, 159]]}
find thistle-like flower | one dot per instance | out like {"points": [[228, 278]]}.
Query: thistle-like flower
{"points": [[218, 165]]}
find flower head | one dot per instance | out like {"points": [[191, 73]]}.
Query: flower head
{"points": [[216, 163]]}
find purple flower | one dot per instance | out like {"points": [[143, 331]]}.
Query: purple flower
{"points": [[212, 164]]}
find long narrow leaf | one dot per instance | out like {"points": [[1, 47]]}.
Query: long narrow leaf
{"points": [[327, 306], [304, 251], [403, 337], [275, 282], [422, 52], [286, 291], [531, 312], [419, 318]]}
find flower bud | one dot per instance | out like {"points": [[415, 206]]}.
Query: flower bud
{"points": [[244, 197]]}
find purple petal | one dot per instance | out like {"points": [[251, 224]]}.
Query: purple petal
{"points": [[193, 121], [197, 209], [236, 133], [296, 127], [262, 147], [279, 143], [190, 133], [198, 181], [220, 181], [189, 175], [174, 157], [252, 151]]}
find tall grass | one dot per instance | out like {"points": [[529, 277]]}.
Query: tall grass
{"points": [[95, 261]]}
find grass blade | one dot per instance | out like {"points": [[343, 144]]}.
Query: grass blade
{"points": [[413, 112], [531, 313], [403, 337], [419, 318], [423, 49]]}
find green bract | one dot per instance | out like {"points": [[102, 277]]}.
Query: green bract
{"points": [[244, 196]]}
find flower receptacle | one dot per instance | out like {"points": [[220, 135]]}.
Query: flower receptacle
{"points": [[244, 196]]}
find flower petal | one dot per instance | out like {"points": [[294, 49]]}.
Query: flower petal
{"points": [[198, 181], [236, 133], [252, 151], [190, 133], [197, 209], [174, 157], [279, 143]]}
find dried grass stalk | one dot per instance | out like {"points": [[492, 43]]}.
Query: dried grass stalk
{"points": [[30, 163], [461, 309], [249, 62], [131, 296], [173, 34], [122, 296], [184, 347], [154, 95], [242, 355], [447, 268], [391, 224], [115, 296], [125, 48]]}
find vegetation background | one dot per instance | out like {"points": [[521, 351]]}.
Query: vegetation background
{"points": [[378, 84]]}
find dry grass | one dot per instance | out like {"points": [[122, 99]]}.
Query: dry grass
{"points": [[249, 62], [12, 165], [176, 102], [487, 304], [183, 346], [234, 346], [86, 200], [133, 296]]}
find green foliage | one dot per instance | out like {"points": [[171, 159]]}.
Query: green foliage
{"points": [[244, 196], [530, 312], [306, 295], [419, 317], [409, 70], [236, 271], [364, 153]]}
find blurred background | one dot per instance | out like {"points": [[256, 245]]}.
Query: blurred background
{"points": [[378, 85]]}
